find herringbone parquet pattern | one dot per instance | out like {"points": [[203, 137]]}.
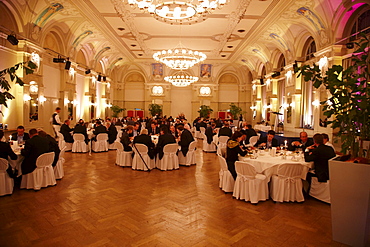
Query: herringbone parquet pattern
{"points": [[100, 204]]}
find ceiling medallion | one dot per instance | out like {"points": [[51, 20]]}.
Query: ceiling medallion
{"points": [[179, 58], [181, 79], [178, 12]]}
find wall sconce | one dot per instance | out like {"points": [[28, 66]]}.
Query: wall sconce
{"points": [[288, 74], [253, 108], [66, 101], [285, 105], [74, 102], [42, 99], [323, 62], [26, 97], [316, 103], [71, 71], [108, 105], [292, 104]]}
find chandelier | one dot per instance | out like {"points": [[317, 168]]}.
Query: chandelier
{"points": [[178, 12], [181, 79], [179, 58]]}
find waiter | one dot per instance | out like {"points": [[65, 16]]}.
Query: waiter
{"points": [[55, 120]]}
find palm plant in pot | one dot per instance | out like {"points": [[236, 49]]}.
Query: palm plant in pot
{"points": [[155, 109], [235, 111], [116, 110], [204, 111], [348, 105]]}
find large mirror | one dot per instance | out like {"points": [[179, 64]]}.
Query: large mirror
{"points": [[34, 102], [323, 119]]}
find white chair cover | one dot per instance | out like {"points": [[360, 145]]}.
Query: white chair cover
{"points": [[287, 184], [6, 182], [123, 158], [61, 142], [320, 190], [170, 160], [137, 162], [249, 185], [226, 179], [79, 145], [202, 131], [58, 168], [189, 159], [42, 176], [101, 143], [222, 143], [253, 140], [209, 148]]}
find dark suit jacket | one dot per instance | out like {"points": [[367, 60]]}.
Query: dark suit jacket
{"points": [[209, 133], [81, 129], [304, 146], [33, 148], [162, 141], [125, 140], [147, 141], [320, 157], [263, 139], [65, 130], [26, 136], [225, 131], [151, 132], [99, 129], [6, 151], [186, 139], [112, 134], [53, 145]]}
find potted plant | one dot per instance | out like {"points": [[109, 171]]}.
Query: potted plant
{"points": [[116, 110], [155, 109], [204, 111], [28, 68], [349, 108], [235, 111]]}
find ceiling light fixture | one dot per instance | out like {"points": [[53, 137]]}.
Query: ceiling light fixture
{"points": [[179, 58], [181, 79], [178, 12]]}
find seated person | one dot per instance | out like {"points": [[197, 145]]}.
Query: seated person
{"points": [[66, 131], [268, 141], [112, 132], [210, 132], [126, 138], [303, 143], [184, 139], [326, 141], [137, 129], [53, 144], [145, 139], [80, 128], [173, 131], [225, 130], [99, 128], [320, 155], [248, 131], [154, 129], [233, 149], [165, 138], [20, 135], [6, 152], [33, 148]]}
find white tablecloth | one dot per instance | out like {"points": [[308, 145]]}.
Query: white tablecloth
{"points": [[268, 165], [262, 127], [16, 164]]}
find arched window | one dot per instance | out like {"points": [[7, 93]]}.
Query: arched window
{"points": [[310, 49], [360, 24], [281, 63]]}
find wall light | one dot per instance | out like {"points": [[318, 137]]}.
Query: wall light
{"points": [[42, 99], [26, 97], [66, 101], [292, 104], [316, 102]]}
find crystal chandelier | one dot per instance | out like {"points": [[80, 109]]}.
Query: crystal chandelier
{"points": [[181, 79], [178, 12], [179, 58]]}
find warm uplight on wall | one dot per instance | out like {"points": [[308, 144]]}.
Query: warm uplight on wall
{"points": [[292, 104], [285, 105], [66, 101], [42, 99], [316, 103], [289, 74], [26, 97], [71, 71]]}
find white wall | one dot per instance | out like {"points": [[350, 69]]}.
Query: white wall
{"points": [[181, 101]]}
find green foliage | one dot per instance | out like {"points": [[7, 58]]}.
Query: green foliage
{"points": [[28, 68], [204, 111], [349, 102], [235, 111], [116, 110], [155, 109]]}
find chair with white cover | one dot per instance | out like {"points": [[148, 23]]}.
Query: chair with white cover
{"points": [[253, 140], [250, 185], [189, 159], [101, 143], [169, 161], [42, 176], [226, 179], [141, 153], [58, 168], [62, 143], [320, 190], [208, 148], [6, 182], [79, 145], [286, 185], [123, 158], [222, 143], [202, 131]]}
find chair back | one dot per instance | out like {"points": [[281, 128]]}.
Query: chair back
{"points": [[62, 151], [245, 169], [141, 148], [170, 148], [253, 140], [223, 164], [119, 128], [102, 137], [192, 145], [3, 164], [202, 130], [223, 139], [118, 146], [78, 137], [60, 136], [45, 159], [290, 170]]}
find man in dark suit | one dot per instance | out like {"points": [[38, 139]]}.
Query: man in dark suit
{"points": [[126, 138], [320, 155], [99, 128], [6, 152], [145, 139], [112, 132], [185, 138], [33, 148], [210, 132], [249, 132], [20, 135], [53, 145], [154, 129], [65, 130], [80, 128], [303, 143], [137, 129], [268, 141], [225, 130], [164, 139]]}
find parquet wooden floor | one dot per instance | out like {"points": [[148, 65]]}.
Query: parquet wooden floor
{"points": [[100, 204]]}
